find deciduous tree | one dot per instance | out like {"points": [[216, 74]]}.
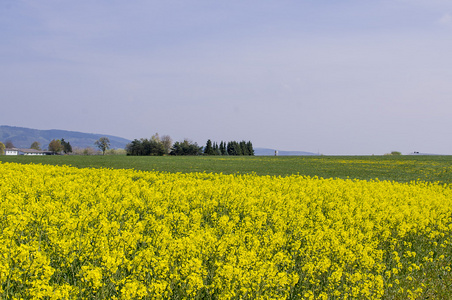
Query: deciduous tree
{"points": [[35, 145], [152, 147], [167, 143], [55, 146], [103, 144], [146, 147], [9, 144], [186, 148]]}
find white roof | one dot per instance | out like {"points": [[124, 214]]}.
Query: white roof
{"points": [[25, 150]]}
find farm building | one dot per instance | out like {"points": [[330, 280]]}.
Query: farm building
{"points": [[20, 151]]}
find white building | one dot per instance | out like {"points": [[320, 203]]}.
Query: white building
{"points": [[19, 151]]}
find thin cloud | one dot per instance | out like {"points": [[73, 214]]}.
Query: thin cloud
{"points": [[446, 19]]}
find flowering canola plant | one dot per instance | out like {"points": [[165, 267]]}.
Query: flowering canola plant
{"points": [[68, 233]]}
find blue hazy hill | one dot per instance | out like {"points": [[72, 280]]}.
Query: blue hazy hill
{"points": [[23, 137]]}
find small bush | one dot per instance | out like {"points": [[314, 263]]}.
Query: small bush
{"points": [[394, 153]]}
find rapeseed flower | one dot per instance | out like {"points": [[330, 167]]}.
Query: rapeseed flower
{"points": [[125, 234]]}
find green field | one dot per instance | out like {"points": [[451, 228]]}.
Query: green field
{"points": [[397, 168]]}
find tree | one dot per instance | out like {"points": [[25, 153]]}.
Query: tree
{"points": [[103, 144], [223, 148], [55, 146], [237, 148], [67, 148], [9, 144], [89, 151], [186, 148], [152, 147], [216, 149], [156, 145], [167, 142], [244, 148], [156, 137], [394, 153], [233, 148], [2, 148], [146, 147], [35, 145], [250, 148], [208, 150], [134, 148]]}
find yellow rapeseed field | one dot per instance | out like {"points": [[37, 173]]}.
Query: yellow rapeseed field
{"points": [[68, 233]]}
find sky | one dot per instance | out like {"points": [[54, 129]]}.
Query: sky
{"points": [[351, 77]]}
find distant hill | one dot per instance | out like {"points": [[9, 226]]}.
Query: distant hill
{"points": [[267, 152], [23, 137]]}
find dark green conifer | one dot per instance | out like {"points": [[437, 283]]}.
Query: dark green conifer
{"points": [[208, 150]]}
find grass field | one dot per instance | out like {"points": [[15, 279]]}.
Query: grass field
{"points": [[393, 168]]}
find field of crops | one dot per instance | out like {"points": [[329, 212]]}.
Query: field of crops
{"points": [[85, 233], [402, 168]]}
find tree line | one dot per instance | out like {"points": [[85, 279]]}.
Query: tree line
{"points": [[163, 146], [229, 148]]}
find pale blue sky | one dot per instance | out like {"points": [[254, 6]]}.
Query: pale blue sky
{"points": [[338, 77]]}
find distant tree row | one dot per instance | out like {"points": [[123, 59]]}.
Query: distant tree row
{"points": [[162, 146], [186, 147], [229, 148], [153, 146]]}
